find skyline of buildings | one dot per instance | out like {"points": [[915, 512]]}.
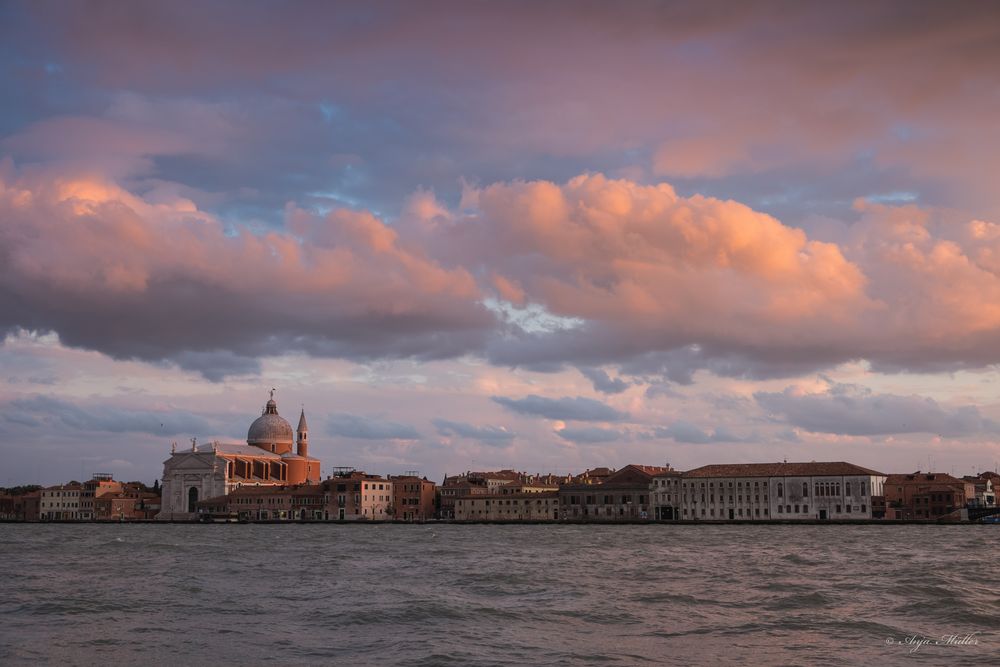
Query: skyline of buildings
{"points": [[581, 256], [273, 477]]}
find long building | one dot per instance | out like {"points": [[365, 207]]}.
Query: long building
{"points": [[772, 491]]}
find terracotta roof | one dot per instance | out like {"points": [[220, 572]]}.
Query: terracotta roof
{"points": [[918, 477], [810, 469]]}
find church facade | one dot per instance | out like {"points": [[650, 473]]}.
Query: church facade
{"points": [[273, 456]]}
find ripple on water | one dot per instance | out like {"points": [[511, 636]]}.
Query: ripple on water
{"points": [[498, 595]]}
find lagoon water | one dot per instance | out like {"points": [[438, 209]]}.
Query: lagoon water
{"points": [[498, 594]]}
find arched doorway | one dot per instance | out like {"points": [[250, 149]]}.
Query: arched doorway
{"points": [[192, 499]]}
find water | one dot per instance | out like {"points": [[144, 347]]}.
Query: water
{"points": [[496, 595]]}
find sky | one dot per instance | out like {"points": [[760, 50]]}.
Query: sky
{"points": [[546, 236]]}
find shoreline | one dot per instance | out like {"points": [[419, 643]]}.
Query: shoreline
{"points": [[452, 522]]}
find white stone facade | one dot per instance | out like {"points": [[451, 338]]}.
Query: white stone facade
{"points": [[749, 493]]}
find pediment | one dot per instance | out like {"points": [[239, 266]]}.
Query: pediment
{"points": [[189, 462]]}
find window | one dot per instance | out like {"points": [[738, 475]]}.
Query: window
{"points": [[838, 509], [847, 488], [779, 509], [805, 509], [780, 490], [805, 490]]}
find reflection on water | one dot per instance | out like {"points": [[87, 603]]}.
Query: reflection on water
{"points": [[497, 595]]}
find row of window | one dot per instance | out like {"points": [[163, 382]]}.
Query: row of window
{"points": [[509, 502], [739, 512], [606, 500]]}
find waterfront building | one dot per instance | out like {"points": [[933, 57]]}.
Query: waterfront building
{"points": [[215, 470], [355, 495], [269, 503], [414, 497], [985, 490], [530, 506], [61, 502], [772, 491], [18, 506], [622, 495], [100, 484], [665, 492], [928, 496], [127, 504], [455, 487]]}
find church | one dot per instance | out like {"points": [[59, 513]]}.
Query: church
{"points": [[268, 459]]}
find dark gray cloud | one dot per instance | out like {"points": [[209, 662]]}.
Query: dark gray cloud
{"points": [[585, 435], [369, 428], [853, 410], [688, 433], [603, 382], [217, 365], [576, 408], [490, 435]]}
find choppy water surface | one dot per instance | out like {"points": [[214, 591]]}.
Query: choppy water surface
{"points": [[497, 595]]}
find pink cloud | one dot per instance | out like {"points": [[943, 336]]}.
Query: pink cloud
{"points": [[107, 270]]}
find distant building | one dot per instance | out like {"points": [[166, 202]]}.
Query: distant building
{"points": [[100, 484], [496, 482], [413, 497], [665, 491], [215, 470], [928, 496], [985, 489], [127, 504], [621, 495], [770, 491], [60, 503], [269, 503], [530, 506], [456, 487], [355, 495]]}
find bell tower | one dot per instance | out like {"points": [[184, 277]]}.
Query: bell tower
{"points": [[302, 435]]}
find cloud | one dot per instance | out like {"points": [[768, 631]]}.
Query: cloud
{"points": [[109, 271], [369, 428], [576, 408], [490, 435], [42, 411], [852, 410], [589, 434], [603, 382], [687, 433]]}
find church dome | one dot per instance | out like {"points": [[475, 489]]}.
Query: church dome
{"points": [[270, 428]]}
